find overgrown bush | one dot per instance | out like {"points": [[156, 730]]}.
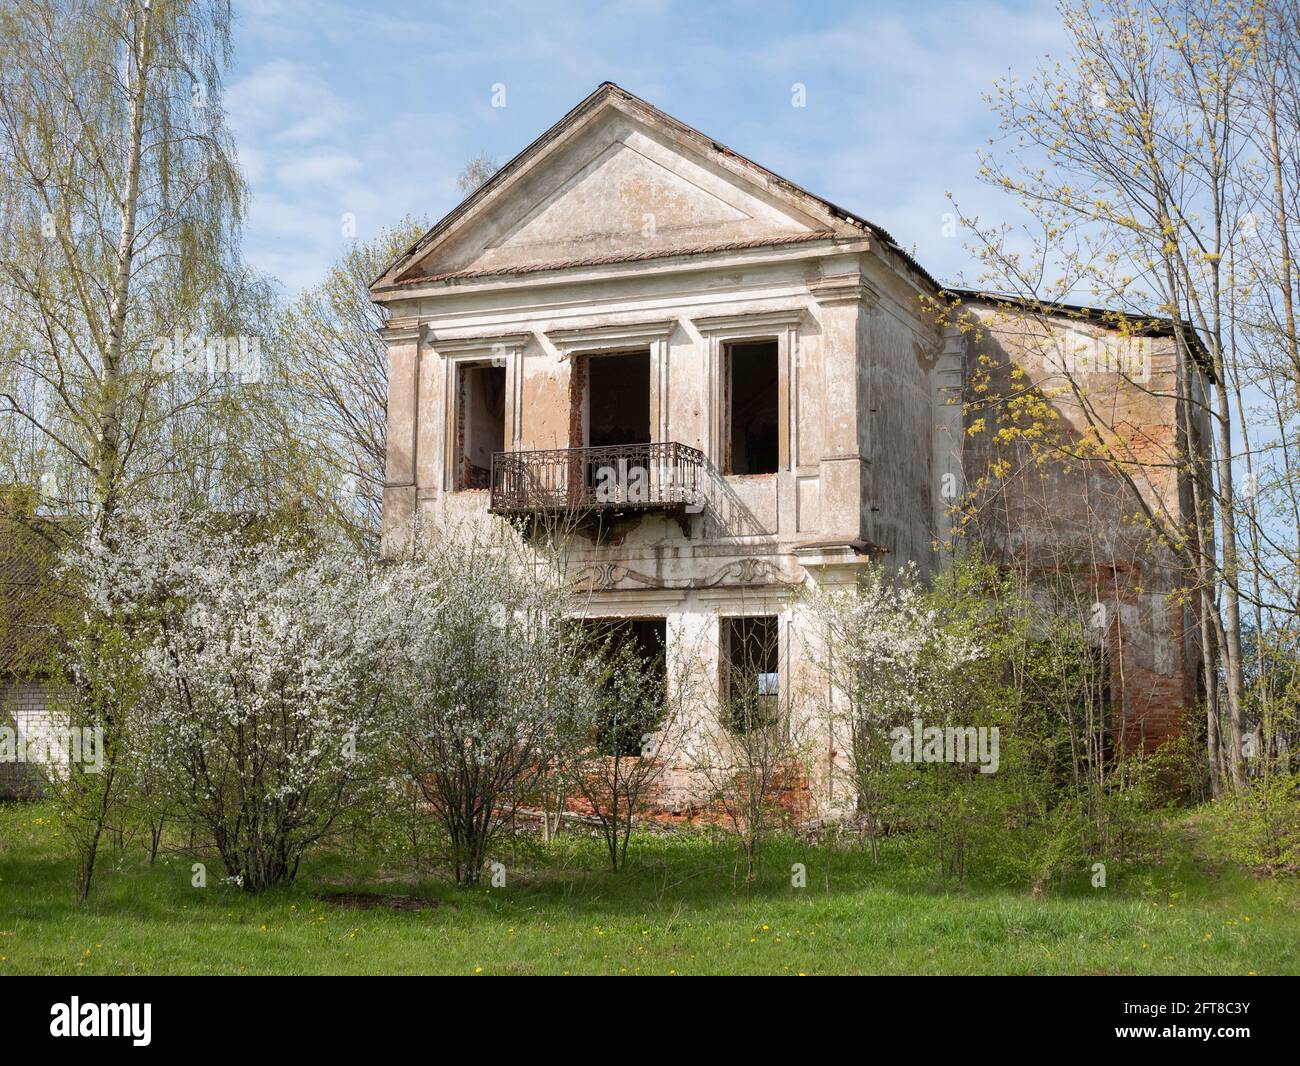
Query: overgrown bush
{"points": [[97, 695], [1259, 824], [485, 686], [245, 682], [630, 710], [915, 666]]}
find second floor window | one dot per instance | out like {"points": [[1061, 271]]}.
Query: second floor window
{"points": [[752, 413], [618, 399], [480, 423]]}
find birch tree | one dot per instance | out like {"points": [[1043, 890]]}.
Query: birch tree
{"points": [[123, 203]]}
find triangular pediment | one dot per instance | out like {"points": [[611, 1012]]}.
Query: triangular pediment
{"points": [[615, 178], [625, 197]]}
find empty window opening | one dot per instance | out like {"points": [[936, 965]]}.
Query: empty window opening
{"points": [[751, 680], [753, 412], [618, 399], [481, 425], [623, 726]]}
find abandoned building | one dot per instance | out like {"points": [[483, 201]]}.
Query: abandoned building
{"points": [[741, 388]]}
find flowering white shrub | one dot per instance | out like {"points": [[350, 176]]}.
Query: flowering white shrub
{"points": [[263, 675], [628, 712], [898, 656], [488, 685]]}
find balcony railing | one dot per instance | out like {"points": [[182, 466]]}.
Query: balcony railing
{"points": [[607, 478]]}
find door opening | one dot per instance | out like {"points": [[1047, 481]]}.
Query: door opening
{"points": [[618, 399]]}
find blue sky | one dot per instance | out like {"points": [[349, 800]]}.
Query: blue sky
{"points": [[371, 109]]}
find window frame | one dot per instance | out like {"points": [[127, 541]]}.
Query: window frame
{"points": [[726, 458], [782, 326], [612, 339], [726, 635], [461, 441], [460, 351]]}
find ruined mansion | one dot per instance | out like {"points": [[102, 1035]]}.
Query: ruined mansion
{"points": [[740, 388]]}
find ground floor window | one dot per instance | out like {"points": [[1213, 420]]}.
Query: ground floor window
{"points": [[622, 729], [749, 655]]}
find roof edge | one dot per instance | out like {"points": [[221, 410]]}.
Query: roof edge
{"points": [[1143, 325], [604, 90]]}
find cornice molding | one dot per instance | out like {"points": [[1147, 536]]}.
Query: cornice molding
{"points": [[605, 338], [398, 330], [829, 555], [841, 289], [631, 601], [751, 321], [686, 264], [492, 342]]}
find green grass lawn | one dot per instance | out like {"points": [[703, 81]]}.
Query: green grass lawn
{"points": [[673, 911]]}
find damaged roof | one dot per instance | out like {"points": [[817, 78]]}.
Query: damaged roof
{"points": [[1111, 318]]}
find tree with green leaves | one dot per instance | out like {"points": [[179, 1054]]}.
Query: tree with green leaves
{"points": [[123, 203], [1157, 169], [336, 378]]}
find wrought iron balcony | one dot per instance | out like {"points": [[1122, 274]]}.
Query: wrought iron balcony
{"points": [[601, 480]]}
